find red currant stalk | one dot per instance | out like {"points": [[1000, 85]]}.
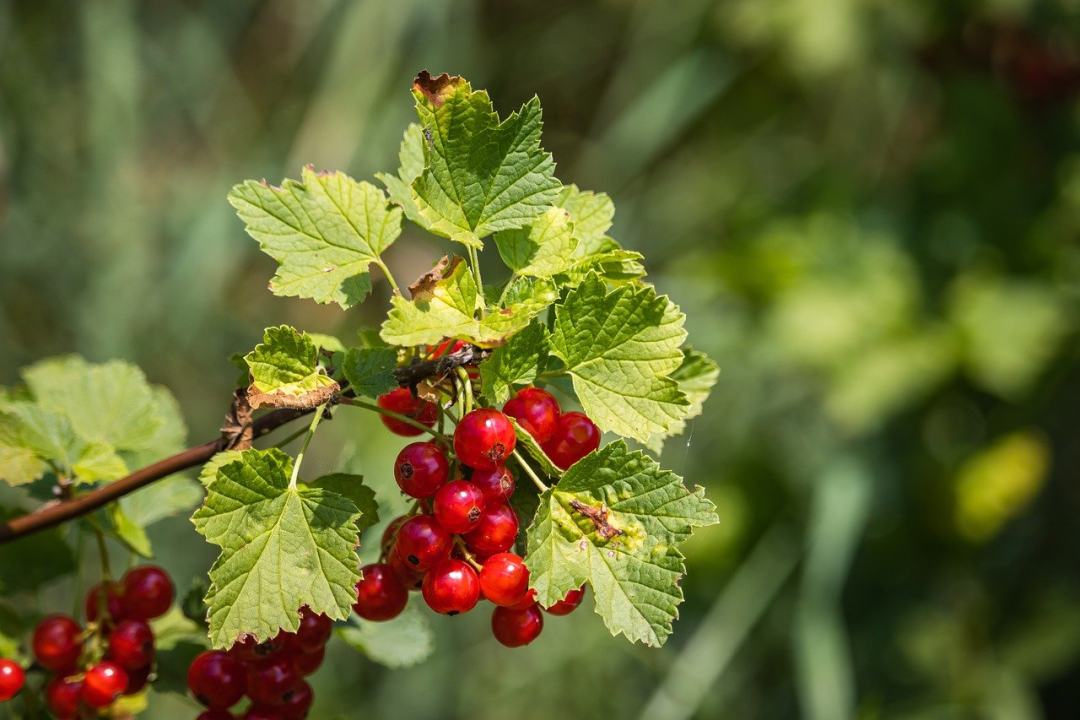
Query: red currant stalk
{"points": [[12, 679]]}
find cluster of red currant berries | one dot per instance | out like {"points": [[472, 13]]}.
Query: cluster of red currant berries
{"points": [[271, 673], [456, 547], [112, 656]]}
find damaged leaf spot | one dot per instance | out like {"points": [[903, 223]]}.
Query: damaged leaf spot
{"points": [[599, 517]]}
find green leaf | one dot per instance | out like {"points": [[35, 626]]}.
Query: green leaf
{"points": [[515, 363], [696, 377], [282, 547], [98, 461], [20, 465], [527, 443], [614, 521], [480, 175], [401, 642], [411, 160], [49, 436], [444, 305], [591, 214], [620, 349], [352, 487], [219, 460], [285, 371], [370, 371], [162, 499], [326, 342], [34, 560], [324, 231], [127, 531], [542, 249]]}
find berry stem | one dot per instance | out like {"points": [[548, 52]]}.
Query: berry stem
{"points": [[540, 485], [103, 551], [459, 543], [290, 437], [474, 261], [466, 387], [307, 441], [357, 402], [389, 276]]}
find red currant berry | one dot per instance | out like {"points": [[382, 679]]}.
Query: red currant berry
{"points": [[420, 469], [131, 644], [263, 713], [514, 628], [107, 596], [458, 506], [568, 604], [495, 533], [422, 542], [216, 679], [137, 679], [102, 684], [410, 578], [451, 587], [248, 650], [314, 630], [402, 402], [216, 715], [56, 643], [484, 439], [575, 437], [298, 703], [497, 485], [504, 579], [62, 697], [536, 411], [526, 602], [308, 662], [390, 534], [379, 594], [12, 679], [148, 592], [271, 681]]}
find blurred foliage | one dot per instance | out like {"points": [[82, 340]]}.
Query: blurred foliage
{"points": [[868, 210]]}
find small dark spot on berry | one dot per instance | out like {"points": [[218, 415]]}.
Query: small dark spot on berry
{"points": [[406, 470], [497, 452], [452, 613], [413, 559], [474, 514]]}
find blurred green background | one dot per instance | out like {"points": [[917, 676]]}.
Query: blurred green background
{"points": [[868, 209]]}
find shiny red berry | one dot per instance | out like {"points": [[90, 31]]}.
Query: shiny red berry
{"points": [[410, 577], [421, 468], [528, 601], [379, 594], [12, 679], [102, 684], [497, 485], [216, 715], [107, 596], [256, 712], [62, 696], [148, 592], [514, 628], [458, 506], [137, 679], [216, 679], [575, 437], [504, 579], [56, 643], [248, 650], [298, 703], [390, 533], [131, 644], [271, 681], [568, 604], [314, 630], [308, 662], [402, 402], [422, 542], [484, 439], [536, 411], [495, 533], [451, 587]]}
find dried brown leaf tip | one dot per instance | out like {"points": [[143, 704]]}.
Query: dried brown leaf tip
{"points": [[306, 401], [436, 89], [424, 286]]}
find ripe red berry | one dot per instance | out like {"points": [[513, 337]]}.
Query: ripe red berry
{"points": [[248, 650], [12, 679], [569, 603], [410, 578], [216, 715], [216, 679], [108, 596], [102, 684], [390, 533], [263, 713], [536, 411], [422, 542], [420, 469], [298, 703], [528, 601], [458, 506], [62, 697], [379, 594], [131, 644], [314, 630], [497, 485], [271, 681], [451, 587], [308, 662], [575, 437], [402, 402], [137, 679], [514, 628], [484, 439], [148, 592], [495, 533], [504, 579], [56, 643]]}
